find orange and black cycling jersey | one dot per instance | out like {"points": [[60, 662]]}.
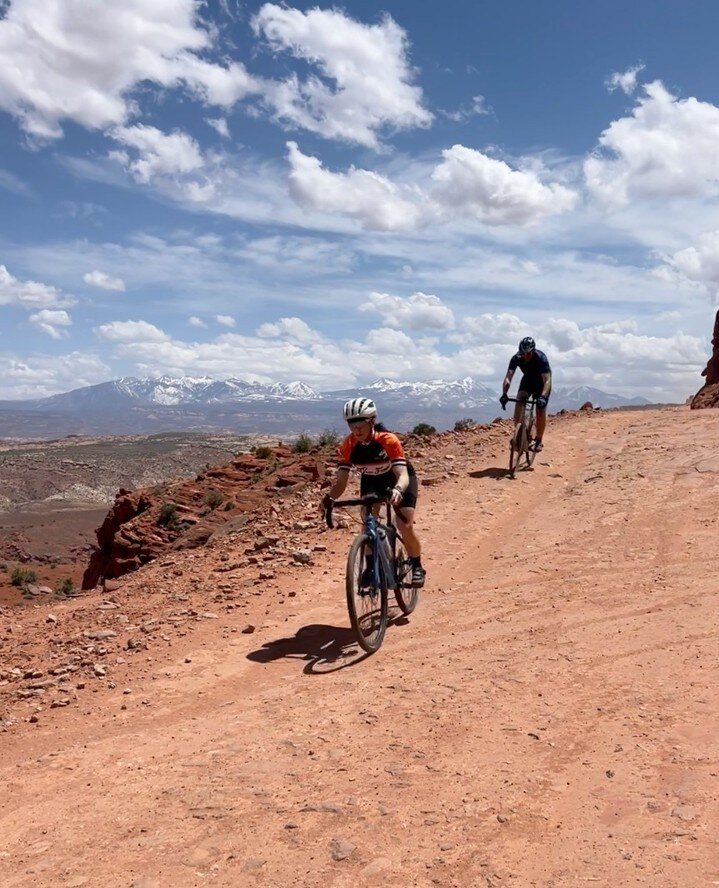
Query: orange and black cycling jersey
{"points": [[378, 456]]}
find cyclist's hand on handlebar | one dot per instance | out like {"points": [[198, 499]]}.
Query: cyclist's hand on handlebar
{"points": [[541, 403], [503, 400], [395, 496]]}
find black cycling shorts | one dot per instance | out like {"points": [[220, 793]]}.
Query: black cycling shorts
{"points": [[380, 484], [534, 389]]}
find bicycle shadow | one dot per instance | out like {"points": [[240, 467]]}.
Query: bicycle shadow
{"points": [[325, 648]]}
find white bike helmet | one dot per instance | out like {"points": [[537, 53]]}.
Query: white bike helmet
{"points": [[359, 408]]}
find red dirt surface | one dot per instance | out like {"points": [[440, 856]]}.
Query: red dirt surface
{"points": [[547, 716]]}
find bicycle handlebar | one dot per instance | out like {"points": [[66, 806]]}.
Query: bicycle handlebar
{"points": [[523, 400], [371, 499]]}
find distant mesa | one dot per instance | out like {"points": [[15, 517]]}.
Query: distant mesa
{"points": [[708, 394]]}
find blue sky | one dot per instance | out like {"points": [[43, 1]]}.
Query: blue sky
{"points": [[339, 193]]}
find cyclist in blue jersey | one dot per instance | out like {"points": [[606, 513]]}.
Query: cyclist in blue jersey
{"points": [[536, 380]]}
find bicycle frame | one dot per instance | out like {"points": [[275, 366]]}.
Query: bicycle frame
{"points": [[520, 444], [384, 554]]}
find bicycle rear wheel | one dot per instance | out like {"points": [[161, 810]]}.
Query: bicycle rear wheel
{"points": [[367, 605], [407, 596]]}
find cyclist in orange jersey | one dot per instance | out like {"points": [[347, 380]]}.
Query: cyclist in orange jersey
{"points": [[379, 456]]}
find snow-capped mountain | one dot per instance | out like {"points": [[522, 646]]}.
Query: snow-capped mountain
{"points": [[437, 389], [171, 391], [167, 403], [573, 398]]}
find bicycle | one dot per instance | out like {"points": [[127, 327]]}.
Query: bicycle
{"points": [[376, 562], [523, 435]]}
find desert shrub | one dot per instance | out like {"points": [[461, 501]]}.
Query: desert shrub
{"points": [[64, 587], [328, 438], [463, 424], [168, 516], [303, 444], [229, 505], [21, 577], [423, 428], [213, 498], [262, 451]]}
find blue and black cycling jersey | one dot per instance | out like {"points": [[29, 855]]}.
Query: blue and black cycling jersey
{"points": [[532, 371]]}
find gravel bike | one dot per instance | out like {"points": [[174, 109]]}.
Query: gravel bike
{"points": [[377, 562], [523, 435]]}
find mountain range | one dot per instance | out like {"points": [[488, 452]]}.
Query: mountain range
{"points": [[146, 406]]}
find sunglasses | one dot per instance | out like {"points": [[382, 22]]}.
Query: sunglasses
{"points": [[357, 420]]}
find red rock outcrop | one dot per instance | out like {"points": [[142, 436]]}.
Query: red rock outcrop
{"points": [[708, 394], [147, 523], [143, 524]]}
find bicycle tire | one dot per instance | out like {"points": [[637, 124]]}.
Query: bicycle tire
{"points": [[514, 453], [367, 610], [530, 454], [406, 596]]}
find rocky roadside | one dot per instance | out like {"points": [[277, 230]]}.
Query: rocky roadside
{"points": [[54, 653]]}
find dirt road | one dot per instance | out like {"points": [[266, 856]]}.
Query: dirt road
{"points": [[547, 717]]}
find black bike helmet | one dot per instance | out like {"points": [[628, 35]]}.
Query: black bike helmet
{"points": [[527, 345]]}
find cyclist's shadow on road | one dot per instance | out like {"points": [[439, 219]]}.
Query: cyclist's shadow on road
{"points": [[325, 648], [492, 472]]}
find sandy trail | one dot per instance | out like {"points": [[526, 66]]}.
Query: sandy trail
{"points": [[547, 717]]}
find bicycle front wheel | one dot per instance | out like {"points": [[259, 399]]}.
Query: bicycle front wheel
{"points": [[515, 451], [407, 595], [529, 453], [366, 603]]}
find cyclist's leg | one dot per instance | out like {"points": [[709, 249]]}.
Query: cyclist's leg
{"points": [[541, 422], [368, 484], [405, 527]]}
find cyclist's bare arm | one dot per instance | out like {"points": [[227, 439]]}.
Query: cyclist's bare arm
{"points": [[546, 384], [402, 476], [507, 380], [338, 488]]}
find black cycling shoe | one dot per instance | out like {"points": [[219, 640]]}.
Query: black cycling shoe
{"points": [[536, 445], [366, 578], [418, 576]]}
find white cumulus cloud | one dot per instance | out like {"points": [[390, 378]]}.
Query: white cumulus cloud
{"points": [[219, 124], [360, 194], [63, 60], [194, 321], [666, 148], [103, 281], [465, 185], [362, 80], [290, 328], [158, 153], [50, 321], [38, 376], [470, 183], [225, 320], [131, 332], [29, 294], [697, 264], [420, 311], [624, 80]]}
